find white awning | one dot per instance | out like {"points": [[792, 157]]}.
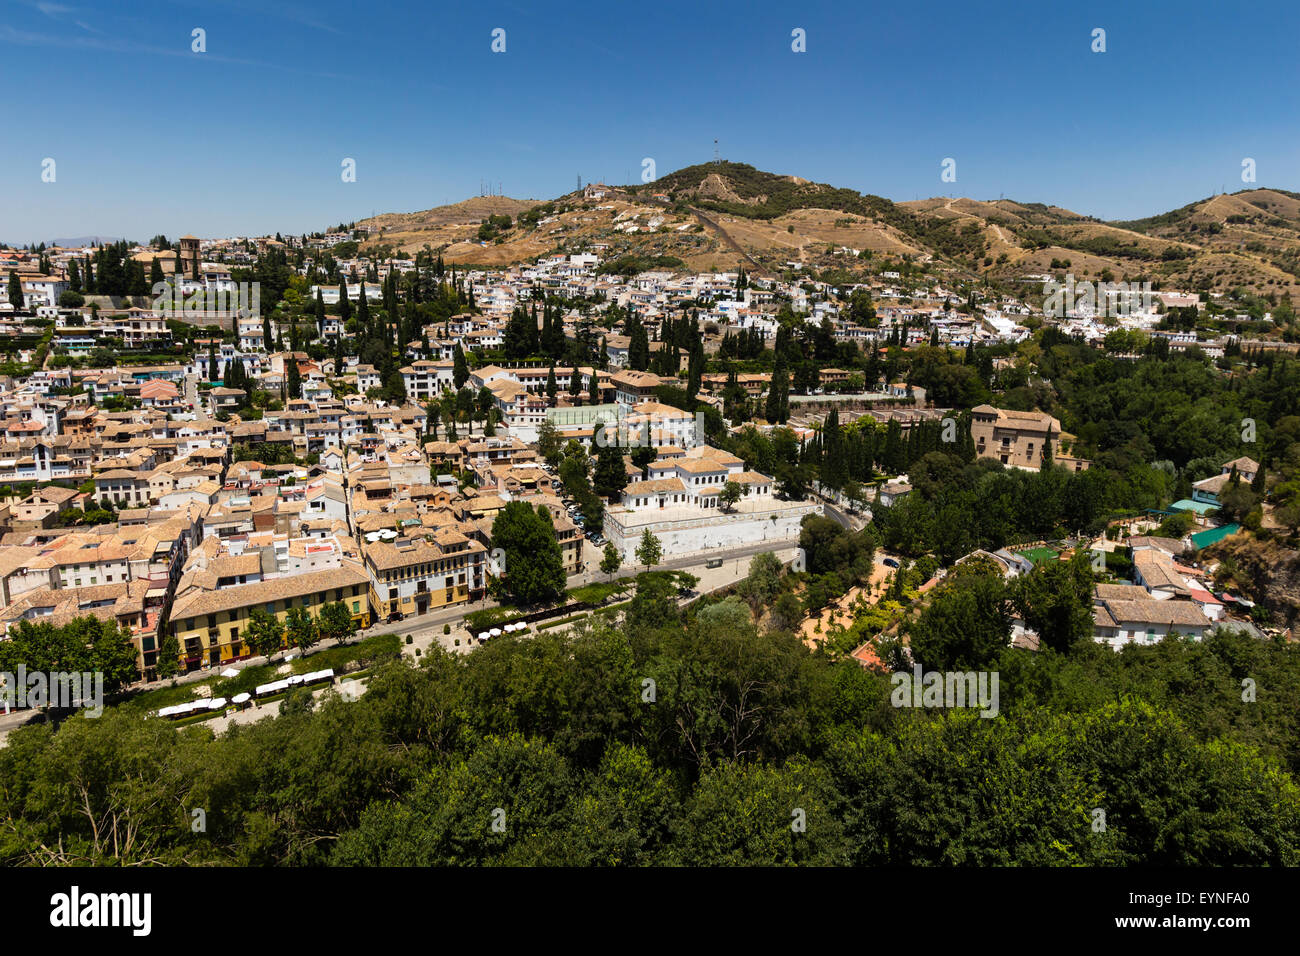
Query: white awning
{"points": [[178, 710]]}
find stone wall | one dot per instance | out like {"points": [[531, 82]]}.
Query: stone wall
{"points": [[710, 532]]}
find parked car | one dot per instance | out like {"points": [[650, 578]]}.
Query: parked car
{"points": [[889, 563]]}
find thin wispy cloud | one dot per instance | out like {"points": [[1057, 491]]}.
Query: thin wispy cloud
{"points": [[109, 44], [57, 11], [291, 12], [574, 38]]}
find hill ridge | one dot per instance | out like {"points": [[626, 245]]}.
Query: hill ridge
{"points": [[719, 214]]}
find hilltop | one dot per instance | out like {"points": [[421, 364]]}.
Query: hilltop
{"points": [[473, 210], [719, 215]]}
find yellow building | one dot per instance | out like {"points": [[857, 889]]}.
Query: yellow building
{"points": [[209, 625], [415, 576]]}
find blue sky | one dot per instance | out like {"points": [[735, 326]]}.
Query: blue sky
{"points": [[248, 137]]}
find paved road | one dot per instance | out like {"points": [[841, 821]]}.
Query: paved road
{"points": [[851, 520], [839, 516], [694, 563], [427, 629]]}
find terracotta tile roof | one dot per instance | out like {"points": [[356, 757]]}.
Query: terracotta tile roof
{"points": [[263, 592]]}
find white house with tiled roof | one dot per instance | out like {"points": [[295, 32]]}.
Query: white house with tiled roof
{"points": [[1209, 489], [680, 502]]}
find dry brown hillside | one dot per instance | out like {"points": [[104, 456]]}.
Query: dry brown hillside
{"points": [[472, 210], [719, 215]]}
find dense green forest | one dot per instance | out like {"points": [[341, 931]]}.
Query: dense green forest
{"points": [[693, 738], [1151, 427]]}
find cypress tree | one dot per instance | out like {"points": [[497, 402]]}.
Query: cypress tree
{"points": [[775, 409], [460, 370], [695, 369], [345, 307], [363, 309], [832, 469], [575, 386]]}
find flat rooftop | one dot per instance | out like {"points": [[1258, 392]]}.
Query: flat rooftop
{"points": [[751, 509]]}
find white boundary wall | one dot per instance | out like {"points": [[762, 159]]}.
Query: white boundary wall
{"points": [[707, 532]]}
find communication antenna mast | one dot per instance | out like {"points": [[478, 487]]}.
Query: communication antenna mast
{"points": [[716, 159]]}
